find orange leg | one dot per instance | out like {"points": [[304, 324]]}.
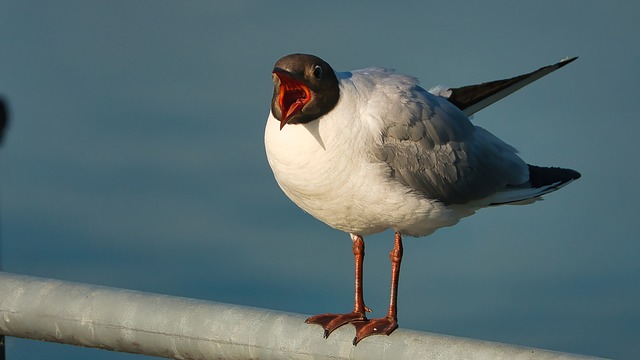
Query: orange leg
{"points": [[385, 325], [330, 322]]}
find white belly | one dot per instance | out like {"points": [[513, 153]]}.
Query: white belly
{"points": [[324, 168]]}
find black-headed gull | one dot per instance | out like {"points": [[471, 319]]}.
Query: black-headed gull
{"points": [[370, 150]]}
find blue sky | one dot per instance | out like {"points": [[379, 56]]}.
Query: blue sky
{"points": [[135, 159]]}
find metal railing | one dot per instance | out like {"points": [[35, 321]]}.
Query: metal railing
{"points": [[182, 328]]}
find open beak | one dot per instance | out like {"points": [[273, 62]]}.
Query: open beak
{"points": [[294, 95]]}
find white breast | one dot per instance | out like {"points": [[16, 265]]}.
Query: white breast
{"points": [[324, 167]]}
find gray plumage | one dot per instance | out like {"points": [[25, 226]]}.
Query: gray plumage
{"points": [[433, 148]]}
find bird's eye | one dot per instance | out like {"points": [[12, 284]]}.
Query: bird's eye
{"points": [[317, 72]]}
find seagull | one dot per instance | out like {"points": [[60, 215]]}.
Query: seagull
{"points": [[369, 150]]}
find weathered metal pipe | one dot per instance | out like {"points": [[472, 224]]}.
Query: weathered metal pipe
{"points": [[181, 328]]}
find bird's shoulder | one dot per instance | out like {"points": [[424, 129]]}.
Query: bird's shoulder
{"points": [[397, 109]]}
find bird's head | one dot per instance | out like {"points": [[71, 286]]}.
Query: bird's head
{"points": [[305, 87]]}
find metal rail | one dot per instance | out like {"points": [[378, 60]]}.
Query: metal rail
{"points": [[181, 328]]}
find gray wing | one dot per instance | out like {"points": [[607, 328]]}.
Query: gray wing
{"points": [[431, 146]]}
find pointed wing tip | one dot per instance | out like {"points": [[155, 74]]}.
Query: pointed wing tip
{"points": [[566, 61]]}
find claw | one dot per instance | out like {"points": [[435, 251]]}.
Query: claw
{"points": [[381, 326], [330, 322]]}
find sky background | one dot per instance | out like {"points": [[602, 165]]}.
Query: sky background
{"points": [[135, 159]]}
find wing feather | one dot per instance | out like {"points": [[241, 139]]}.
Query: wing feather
{"points": [[431, 147], [473, 98]]}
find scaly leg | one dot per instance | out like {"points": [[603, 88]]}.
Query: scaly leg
{"points": [[330, 322], [385, 325]]}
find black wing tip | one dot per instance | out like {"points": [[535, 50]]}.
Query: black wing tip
{"points": [[567, 61], [544, 176], [473, 98]]}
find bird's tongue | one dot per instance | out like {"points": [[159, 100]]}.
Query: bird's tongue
{"points": [[292, 101], [294, 95]]}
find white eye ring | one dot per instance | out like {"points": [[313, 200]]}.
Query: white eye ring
{"points": [[317, 72]]}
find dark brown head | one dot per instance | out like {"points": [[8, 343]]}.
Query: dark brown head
{"points": [[305, 87]]}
